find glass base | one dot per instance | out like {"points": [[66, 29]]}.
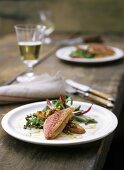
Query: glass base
{"points": [[26, 77], [47, 40]]}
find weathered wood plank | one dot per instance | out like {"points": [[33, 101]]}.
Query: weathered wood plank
{"points": [[16, 154]]}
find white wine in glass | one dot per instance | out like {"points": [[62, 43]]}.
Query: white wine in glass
{"points": [[30, 52], [29, 39]]}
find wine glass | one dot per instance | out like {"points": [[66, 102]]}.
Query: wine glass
{"points": [[29, 39], [46, 18]]}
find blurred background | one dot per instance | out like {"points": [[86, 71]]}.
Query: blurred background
{"points": [[94, 16]]}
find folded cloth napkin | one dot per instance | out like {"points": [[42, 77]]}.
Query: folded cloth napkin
{"points": [[44, 86]]}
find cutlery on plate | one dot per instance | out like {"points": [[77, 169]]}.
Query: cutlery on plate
{"points": [[95, 98], [85, 89]]}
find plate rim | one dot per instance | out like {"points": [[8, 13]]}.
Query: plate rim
{"points": [[90, 61], [52, 142]]}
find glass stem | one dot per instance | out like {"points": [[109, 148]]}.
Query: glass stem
{"points": [[30, 72]]}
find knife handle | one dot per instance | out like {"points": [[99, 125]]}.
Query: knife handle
{"points": [[101, 94], [100, 100]]}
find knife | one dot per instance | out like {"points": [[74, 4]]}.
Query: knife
{"points": [[92, 97], [87, 89]]}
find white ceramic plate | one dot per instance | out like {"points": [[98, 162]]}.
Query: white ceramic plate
{"points": [[64, 54], [13, 123]]}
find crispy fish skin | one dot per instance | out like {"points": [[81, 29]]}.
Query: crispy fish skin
{"points": [[55, 123], [100, 49]]}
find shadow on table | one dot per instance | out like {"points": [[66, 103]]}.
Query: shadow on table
{"points": [[110, 63], [115, 159]]}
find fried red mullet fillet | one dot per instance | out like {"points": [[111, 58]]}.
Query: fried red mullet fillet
{"points": [[55, 123]]}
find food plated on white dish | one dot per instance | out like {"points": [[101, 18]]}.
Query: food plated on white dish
{"points": [[59, 122], [92, 53]]}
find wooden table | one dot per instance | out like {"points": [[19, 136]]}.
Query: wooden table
{"points": [[18, 155]]}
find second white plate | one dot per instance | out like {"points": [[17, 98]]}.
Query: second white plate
{"points": [[64, 54]]}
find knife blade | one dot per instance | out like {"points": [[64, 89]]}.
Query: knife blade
{"points": [[85, 88]]}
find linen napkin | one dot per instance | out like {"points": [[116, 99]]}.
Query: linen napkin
{"points": [[44, 86]]}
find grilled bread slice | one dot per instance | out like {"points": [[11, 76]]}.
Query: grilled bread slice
{"points": [[55, 123]]}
